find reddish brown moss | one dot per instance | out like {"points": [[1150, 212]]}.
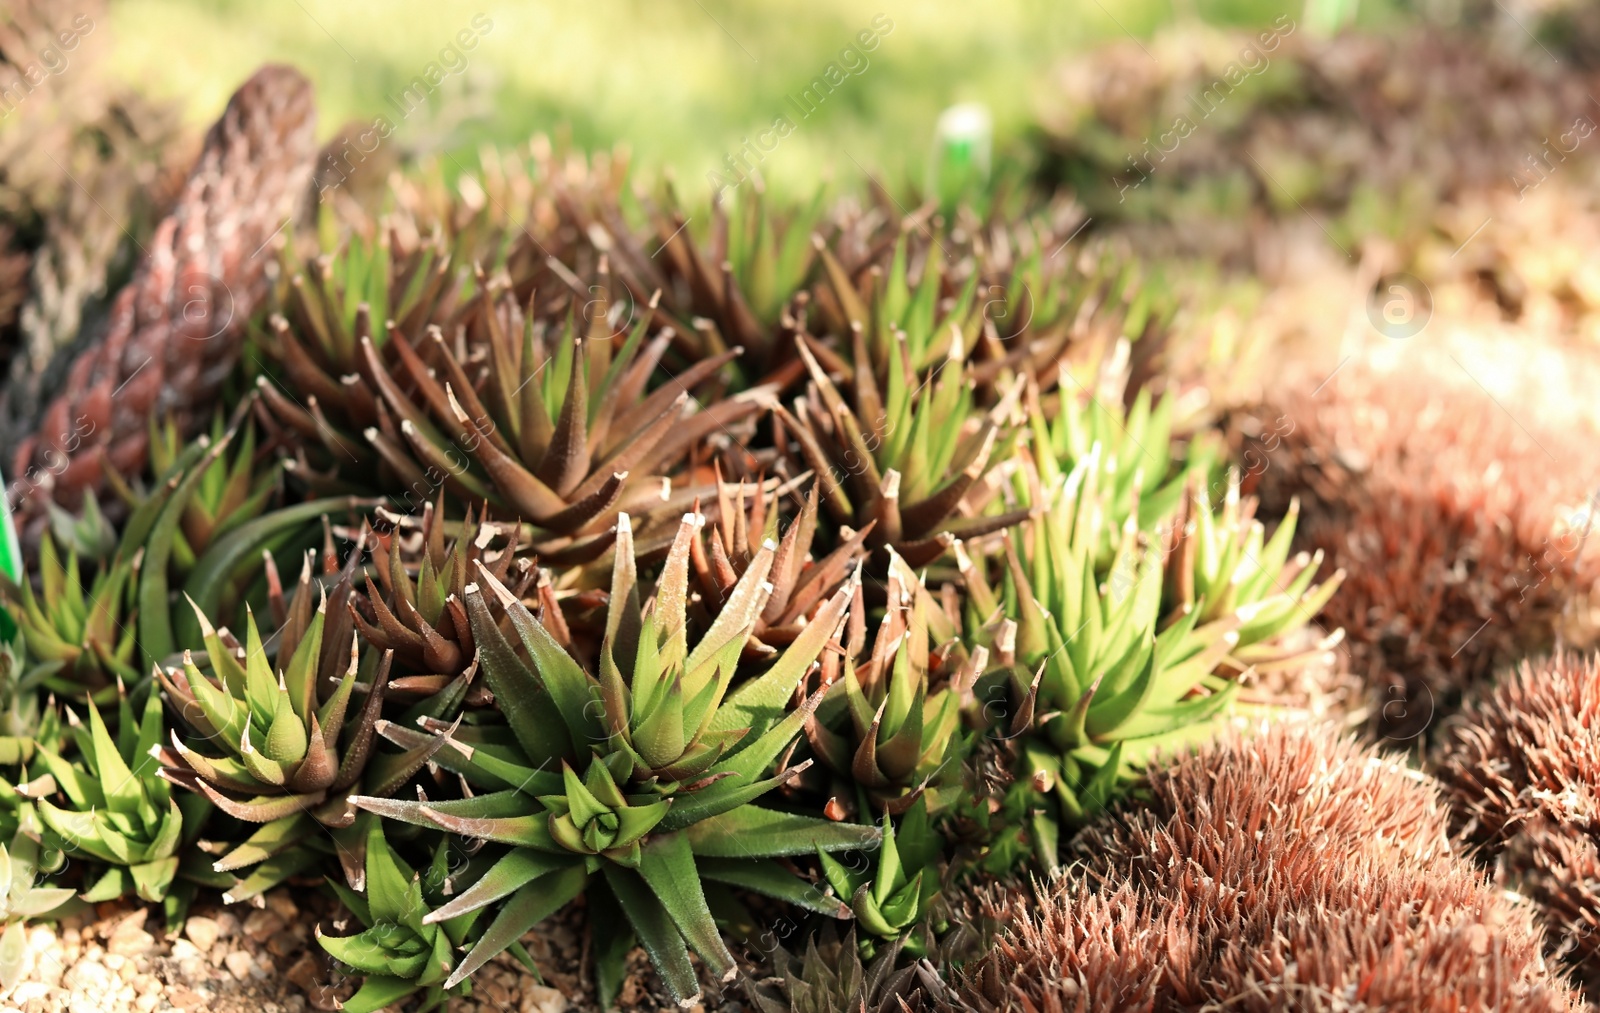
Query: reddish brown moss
{"points": [[1461, 532], [1291, 870], [1522, 773]]}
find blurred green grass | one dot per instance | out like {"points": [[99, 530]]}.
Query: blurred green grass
{"points": [[683, 82]]}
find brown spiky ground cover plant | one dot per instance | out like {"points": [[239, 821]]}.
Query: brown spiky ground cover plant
{"points": [[1521, 769], [1280, 870], [1463, 533]]}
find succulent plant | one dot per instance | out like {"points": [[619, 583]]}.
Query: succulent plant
{"points": [[659, 769], [800, 584], [117, 810], [1222, 563], [78, 639], [916, 318], [24, 897], [1111, 661], [400, 952], [176, 329], [88, 531], [1140, 466], [313, 403], [1170, 892], [271, 744], [742, 290], [228, 494], [883, 729], [131, 596], [901, 457], [893, 897], [1089, 667], [423, 618], [830, 977], [563, 437]]}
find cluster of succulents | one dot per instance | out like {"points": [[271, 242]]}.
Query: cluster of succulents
{"points": [[685, 592], [829, 563]]}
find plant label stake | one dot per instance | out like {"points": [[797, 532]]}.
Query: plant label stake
{"points": [[10, 556]]}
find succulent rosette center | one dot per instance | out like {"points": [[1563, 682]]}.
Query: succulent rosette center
{"points": [[593, 817]]}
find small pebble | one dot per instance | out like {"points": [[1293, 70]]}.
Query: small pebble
{"points": [[283, 944], [538, 998], [239, 964], [202, 931], [262, 925], [496, 992], [281, 904], [304, 972], [87, 976]]}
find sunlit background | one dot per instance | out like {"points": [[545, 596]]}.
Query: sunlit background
{"points": [[683, 83]]}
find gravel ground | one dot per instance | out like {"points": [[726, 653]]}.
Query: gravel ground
{"points": [[119, 958]]}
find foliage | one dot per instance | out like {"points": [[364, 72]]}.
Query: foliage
{"points": [[660, 766], [799, 560], [1119, 634], [894, 899], [883, 728], [117, 810], [24, 897], [400, 951]]}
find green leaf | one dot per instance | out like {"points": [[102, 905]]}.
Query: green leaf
{"points": [[769, 877], [496, 805], [763, 700], [516, 869], [753, 832], [215, 569], [377, 991], [890, 873], [668, 868], [523, 697], [373, 952], [529, 831], [272, 872], [733, 622], [117, 782], [527, 907], [613, 940], [300, 675], [112, 884], [152, 879], [657, 932], [388, 883], [155, 613], [287, 739]]}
